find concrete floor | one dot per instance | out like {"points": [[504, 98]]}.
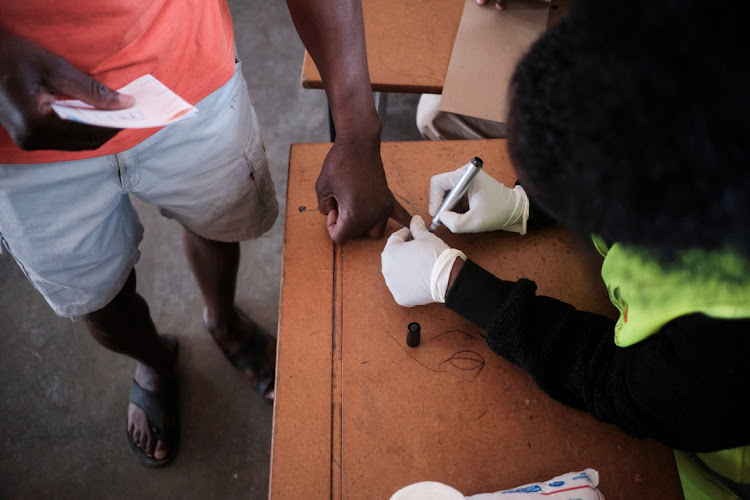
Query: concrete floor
{"points": [[63, 399]]}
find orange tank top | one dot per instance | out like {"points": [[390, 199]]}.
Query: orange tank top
{"points": [[187, 44]]}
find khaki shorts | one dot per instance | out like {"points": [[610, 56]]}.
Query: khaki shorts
{"points": [[71, 226]]}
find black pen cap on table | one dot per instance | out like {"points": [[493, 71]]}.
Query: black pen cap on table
{"points": [[413, 335]]}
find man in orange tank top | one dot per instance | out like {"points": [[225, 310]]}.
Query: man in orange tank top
{"points": [[65, 215]]}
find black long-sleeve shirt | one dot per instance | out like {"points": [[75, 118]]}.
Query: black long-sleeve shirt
{"points": [[687, 386]]}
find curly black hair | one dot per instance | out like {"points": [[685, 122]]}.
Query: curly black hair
{"points": [[632, 121]]}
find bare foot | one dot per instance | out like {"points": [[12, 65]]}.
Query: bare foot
{"points": [[248, 348]]}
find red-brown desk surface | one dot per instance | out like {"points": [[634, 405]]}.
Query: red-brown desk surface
{"points": [[358, 414], [409, 43]]}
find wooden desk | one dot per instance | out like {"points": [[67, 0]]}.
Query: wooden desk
{"points": [[409, 43], [359, 414]]}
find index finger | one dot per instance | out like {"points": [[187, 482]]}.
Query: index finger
{"points": [[399, 236], [400, 214]]}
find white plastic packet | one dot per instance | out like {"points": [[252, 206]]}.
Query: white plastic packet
{"points": [[571, 486]]}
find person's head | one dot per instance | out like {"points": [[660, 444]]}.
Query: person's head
{"points": [[631, 121]]}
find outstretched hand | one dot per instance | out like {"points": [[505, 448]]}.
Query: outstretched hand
{"points": [[352, 189], [32, 79], [353, 192]]}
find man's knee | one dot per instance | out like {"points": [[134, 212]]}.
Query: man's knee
{"points": [[116, 306]]}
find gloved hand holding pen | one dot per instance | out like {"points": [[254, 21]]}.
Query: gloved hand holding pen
{"points": [[492, 205], [416, 264]]}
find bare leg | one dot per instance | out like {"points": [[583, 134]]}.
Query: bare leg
{"points": [[215, 266], [124, 326]]}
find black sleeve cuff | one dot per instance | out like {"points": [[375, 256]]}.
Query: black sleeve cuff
{"points": [[477, 294]]}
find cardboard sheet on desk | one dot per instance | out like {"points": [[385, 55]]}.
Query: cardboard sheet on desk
{"points": [[488, 45], [449, 410]]}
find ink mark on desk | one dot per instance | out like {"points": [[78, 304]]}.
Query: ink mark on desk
{"points": [[463, 363], [472, 414], [467, 361]]}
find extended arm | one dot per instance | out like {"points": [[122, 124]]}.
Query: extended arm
{"points": [[685, 386], [352, 187], [333, 33]]}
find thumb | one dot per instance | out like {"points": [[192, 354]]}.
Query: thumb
{"points": [[340, 229], [71, 82], [454, 221], [326, 202], [397, 237], [331, 218], [417, 227]]}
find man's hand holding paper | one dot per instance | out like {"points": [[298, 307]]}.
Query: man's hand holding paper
{"points": [[33, 78], [155, 106]]}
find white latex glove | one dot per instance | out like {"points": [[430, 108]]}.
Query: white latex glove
{"points": [[492, 205], [417, 270]]}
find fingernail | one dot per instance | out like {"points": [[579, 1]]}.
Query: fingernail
{"points": [[126, 99]]}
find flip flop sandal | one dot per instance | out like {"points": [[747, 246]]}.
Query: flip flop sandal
{"points": [[252, 355], [155, 404]]}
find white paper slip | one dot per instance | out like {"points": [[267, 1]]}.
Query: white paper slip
{"points": [[155, 106]]}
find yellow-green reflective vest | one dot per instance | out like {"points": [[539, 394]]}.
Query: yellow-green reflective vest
{"points": [[648, 297]]}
